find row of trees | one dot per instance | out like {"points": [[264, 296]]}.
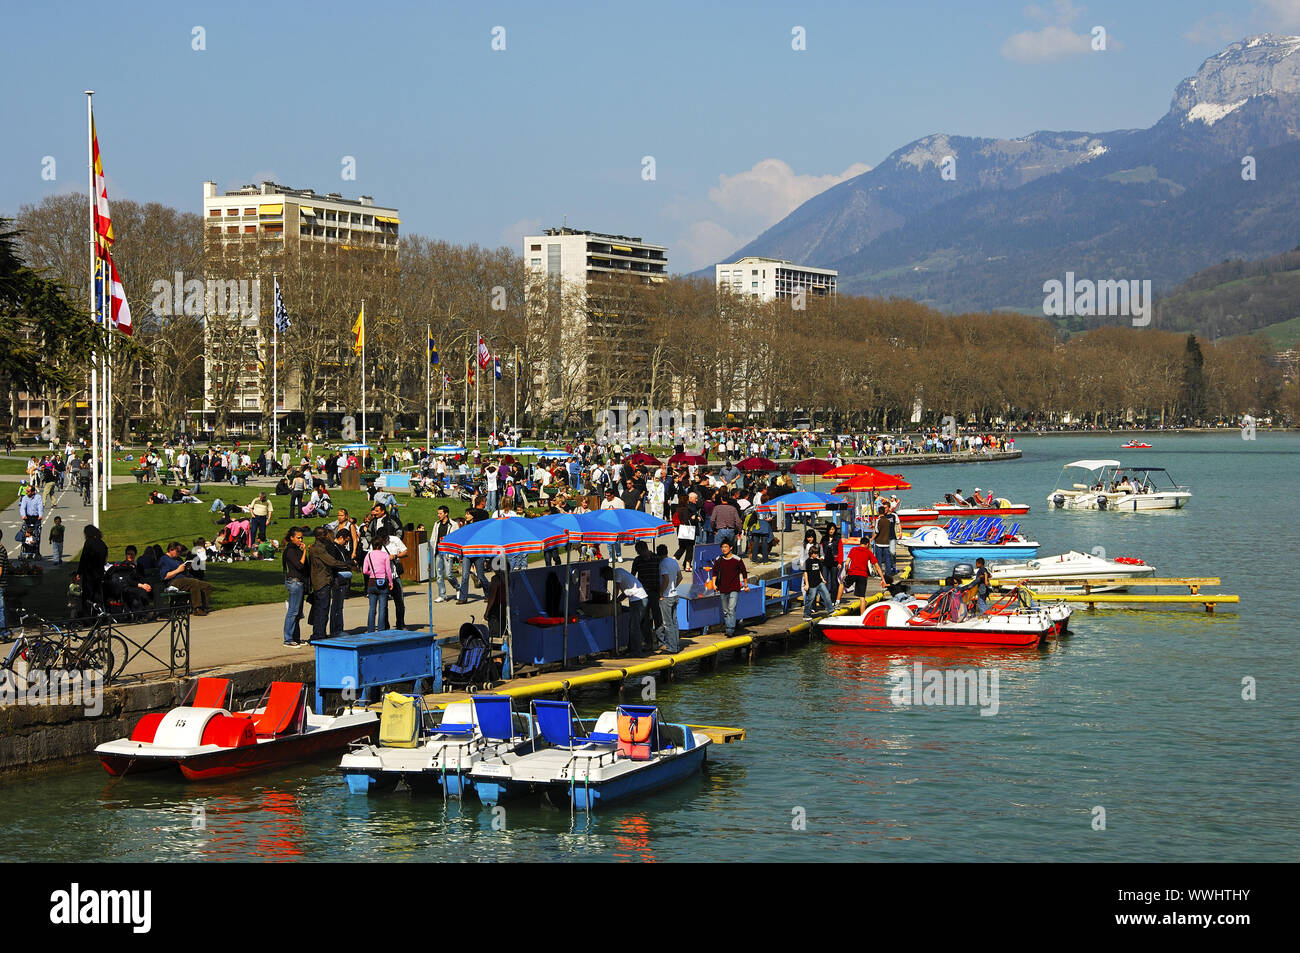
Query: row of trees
{"points": [[677, 343]]}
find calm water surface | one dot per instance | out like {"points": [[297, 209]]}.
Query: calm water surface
{"points": [[1138, 712]]}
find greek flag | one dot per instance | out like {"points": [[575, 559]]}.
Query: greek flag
{"points": [[281, 315]]}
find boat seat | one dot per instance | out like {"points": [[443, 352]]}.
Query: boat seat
{"points": [[283, 712], [559, 725], [495, 716], [460, 730], [211, 693]]}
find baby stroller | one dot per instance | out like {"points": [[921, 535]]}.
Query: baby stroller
{"points": [[463, 490], [30, 540], [474, 668]]}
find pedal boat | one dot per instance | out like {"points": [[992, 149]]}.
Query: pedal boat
{"points": [[938, 512], [945, 620], [625, 753], [436, 749], [205, 740], [966, 541]]}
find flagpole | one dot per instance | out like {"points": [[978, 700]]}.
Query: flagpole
{"points": [[494, 400], [428, 391], [464, 407], [363, 377], [515, 414], [478, 336], [107, 378], [94, 356], [275, 370]]}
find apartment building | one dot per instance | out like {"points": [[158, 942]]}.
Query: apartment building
{"points": [[768, 279]]}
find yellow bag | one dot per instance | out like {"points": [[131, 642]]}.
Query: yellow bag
{"points": [[398, 721]]}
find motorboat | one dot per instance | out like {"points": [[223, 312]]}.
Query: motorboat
{"points": [[435, 748], [623, 753], [949, 618], [1135, 445], [911, 518], [1041, 574], [206, 740], [967, 540], [1112, 486]]}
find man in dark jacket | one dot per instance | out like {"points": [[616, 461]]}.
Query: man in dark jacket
{"points": [[324, 562], [94, 557]]}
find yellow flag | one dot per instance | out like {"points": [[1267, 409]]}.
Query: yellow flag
{"points": [[359, 331]]}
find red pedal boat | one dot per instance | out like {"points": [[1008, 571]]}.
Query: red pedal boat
{"points": [[942, 621], [205, 740], [1134, 445], [911, 518]]}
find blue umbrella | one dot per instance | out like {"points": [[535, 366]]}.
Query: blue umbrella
{"points": [[555, 453], [804, 503], [449, 448], [500, 537]]}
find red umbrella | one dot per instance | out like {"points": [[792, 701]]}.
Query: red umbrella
{"points": [[642, 459], [690, 458], [873, 483], [849, 470], [813, 465], [757, 463]]}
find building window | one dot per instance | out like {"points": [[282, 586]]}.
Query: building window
{"points": [[214, 213]]}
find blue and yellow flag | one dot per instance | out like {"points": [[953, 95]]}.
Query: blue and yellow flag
{"points": [[433, 350]]}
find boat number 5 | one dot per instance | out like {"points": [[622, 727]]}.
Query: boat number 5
{"points": [[949, 426]]}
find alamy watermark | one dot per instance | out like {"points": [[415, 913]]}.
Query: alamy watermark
{"points": [[1108, 298], [939, 686], [645, 426], [216, 296], [84, 690]]}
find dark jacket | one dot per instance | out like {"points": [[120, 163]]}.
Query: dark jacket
{"points": [[323, 565]]}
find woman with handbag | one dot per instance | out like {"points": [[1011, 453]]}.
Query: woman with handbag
{"points": [[378, 572]]}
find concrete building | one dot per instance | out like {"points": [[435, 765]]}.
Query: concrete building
{"points": [[282, 223], [579, 298], [770, 278]]}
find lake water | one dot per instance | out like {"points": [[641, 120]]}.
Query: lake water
{"points": [[1137, 712]]}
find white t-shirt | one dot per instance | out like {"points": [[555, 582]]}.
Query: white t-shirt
{"points": [[631, 586], [669, 567]]}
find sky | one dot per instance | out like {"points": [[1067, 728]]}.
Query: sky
{"points": [[693, 125]]}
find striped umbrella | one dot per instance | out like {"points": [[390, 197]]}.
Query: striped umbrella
{"points": [[502, 537], [803, 503]]}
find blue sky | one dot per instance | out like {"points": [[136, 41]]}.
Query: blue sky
{"points": [[477, 145]]}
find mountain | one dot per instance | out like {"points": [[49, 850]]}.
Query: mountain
{"points": [[1158, 204], [1238, 297]]}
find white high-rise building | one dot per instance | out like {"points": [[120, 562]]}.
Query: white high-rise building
{"points": [[769, 278], [581, 279]]}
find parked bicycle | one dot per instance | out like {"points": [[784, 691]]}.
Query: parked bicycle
{"points": [[39, 652]]}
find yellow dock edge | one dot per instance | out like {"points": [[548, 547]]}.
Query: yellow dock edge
{"points": [[719, 735]]}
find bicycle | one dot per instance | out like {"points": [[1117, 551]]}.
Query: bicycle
{"points": [[39, 652], [85, 491], [100, 649]]}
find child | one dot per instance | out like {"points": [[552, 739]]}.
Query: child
{"points": [[56, 537]]}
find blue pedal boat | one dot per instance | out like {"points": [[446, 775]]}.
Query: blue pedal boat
{"points": [[626, 752], [965, 541], [429, 749]]}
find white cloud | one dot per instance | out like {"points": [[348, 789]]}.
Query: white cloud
{"points": [[512, 235], [1056, 39], [1216, 29], [1280, 14], [743, 205], [703, 243]]}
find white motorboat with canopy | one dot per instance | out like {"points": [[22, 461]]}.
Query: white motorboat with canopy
{"points": [[1112, 486]]}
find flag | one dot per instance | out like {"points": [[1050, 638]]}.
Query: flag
{"points": [[281, 315], [119, 311], [359, 332], [103, 222], [497, 362], [519, 367], [433, 350], [469, 371], [484, 355], [446, 379]]}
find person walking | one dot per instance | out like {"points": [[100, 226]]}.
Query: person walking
{"points": [[31, 510], [94, 558], [814, 581], [4, 582], [297, 576], [260, 511], [378, 572], [831, 560], [442, 561], [885, 539], [731, 578]]}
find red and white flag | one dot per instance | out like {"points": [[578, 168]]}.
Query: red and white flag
{"points": [[103, 221], [484, 355], [120, 310]]}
